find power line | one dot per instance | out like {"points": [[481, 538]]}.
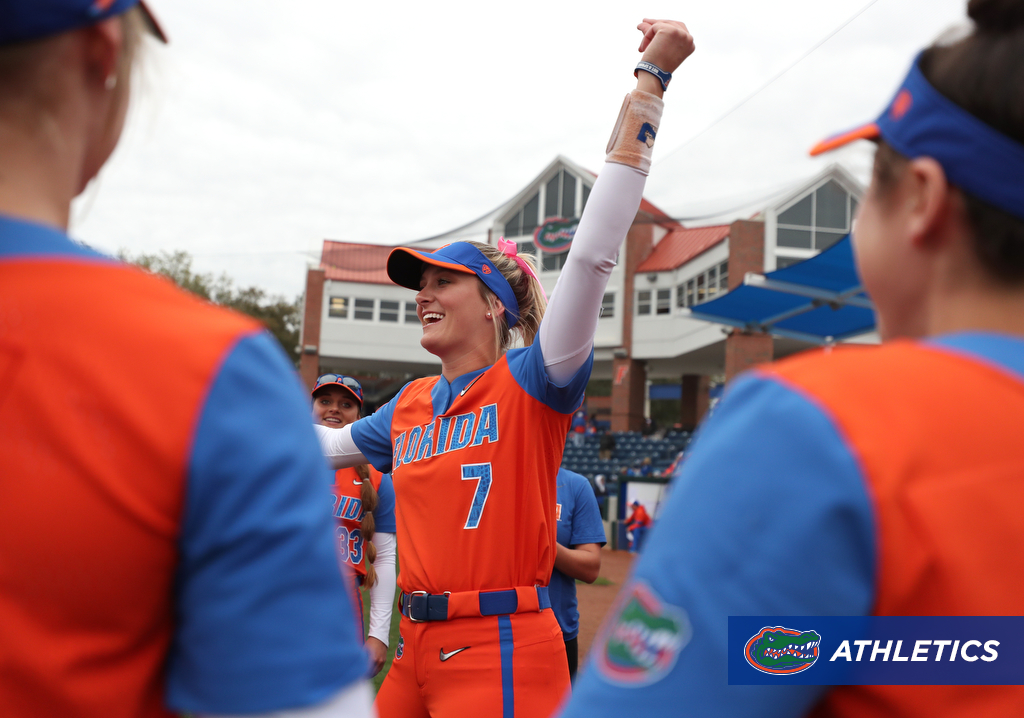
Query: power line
{"points": [[765, 86]]}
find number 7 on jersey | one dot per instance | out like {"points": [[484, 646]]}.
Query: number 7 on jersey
{"points": [[481, 472]]}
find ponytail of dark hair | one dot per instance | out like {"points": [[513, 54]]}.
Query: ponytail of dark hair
{"points": [[368, 495]]}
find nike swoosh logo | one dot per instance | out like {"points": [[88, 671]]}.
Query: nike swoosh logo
{"points": [[446, 656]]}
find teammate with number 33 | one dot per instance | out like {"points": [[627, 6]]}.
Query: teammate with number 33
{"points": [[473, 453]]}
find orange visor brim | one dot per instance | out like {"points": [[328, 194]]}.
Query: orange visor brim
{"points": [[405, 266], [869, 131]]}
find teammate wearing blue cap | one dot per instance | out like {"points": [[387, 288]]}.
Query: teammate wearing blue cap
{"points": [[166, 542], [473, 453], [873, 480]]}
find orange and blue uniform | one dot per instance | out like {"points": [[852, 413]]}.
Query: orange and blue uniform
{"points": [[164, 537], [474, 464], [863, 481], [347, 505]]}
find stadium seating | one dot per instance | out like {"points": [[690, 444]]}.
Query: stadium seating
{"points": [[631, 448]]}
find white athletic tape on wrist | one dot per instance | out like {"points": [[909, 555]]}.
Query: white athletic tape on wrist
{"points": [[633, 137]]}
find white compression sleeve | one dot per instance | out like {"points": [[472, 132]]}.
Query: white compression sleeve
{"points": [[567, 331], [382, 593], [338, 447], [352, 701]]}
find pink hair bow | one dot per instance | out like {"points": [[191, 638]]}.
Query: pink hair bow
{"points": [[511, 250]]}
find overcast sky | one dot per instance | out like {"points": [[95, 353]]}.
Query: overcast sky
{"points": [[260, 131]]}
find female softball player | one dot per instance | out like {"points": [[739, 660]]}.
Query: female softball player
{"points": [[865, 481], [364, 506], [474, 452]]}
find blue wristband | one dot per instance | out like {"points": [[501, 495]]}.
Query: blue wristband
{"points": [[663, 77]]}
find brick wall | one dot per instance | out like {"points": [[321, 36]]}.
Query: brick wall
{"points": [[695, 400], [309, 364], [629, 378], [744, 350]]}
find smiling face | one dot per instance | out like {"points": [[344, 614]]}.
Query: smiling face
{"points": [[454, 315], [334, 407]]}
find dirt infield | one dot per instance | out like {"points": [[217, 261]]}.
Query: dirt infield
{"points": [[595, 600]]}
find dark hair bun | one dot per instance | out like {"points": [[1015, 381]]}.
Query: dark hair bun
{"points": [[997, 15]]}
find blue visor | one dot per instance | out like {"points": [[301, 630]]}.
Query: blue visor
{"points": [[922, 122], [22, 20], [405, 268]]}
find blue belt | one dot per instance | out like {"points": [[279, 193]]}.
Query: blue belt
{"points": [[422, 606]]}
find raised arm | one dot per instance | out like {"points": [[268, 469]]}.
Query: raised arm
{"points": [[338, 447], [567, 331]]}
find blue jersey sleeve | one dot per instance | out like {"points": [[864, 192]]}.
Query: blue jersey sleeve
{"points": [[586, 517], [264, 617], [384, 514], [769, 516], [372, 435], [527, 367]]}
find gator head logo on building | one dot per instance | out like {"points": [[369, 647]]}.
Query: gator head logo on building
{"points": [[555, 235], [782, 651], [642, 641]]}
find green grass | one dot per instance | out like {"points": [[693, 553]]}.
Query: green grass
{"points": [[600, 581]]}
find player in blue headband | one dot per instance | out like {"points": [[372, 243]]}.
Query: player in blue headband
{"points": [[864, 481]]}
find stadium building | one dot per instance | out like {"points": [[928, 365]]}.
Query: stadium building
{"points": [[650, 357]]}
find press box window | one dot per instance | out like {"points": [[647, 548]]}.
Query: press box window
{"points": [[338, 308], [389, 310], [664, 301], [643, 302], [608, 305], [364, 309], [410, 313]]}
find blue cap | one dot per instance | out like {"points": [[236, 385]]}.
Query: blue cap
{"points": [[922, 122], [405, 267], [22, 20]]}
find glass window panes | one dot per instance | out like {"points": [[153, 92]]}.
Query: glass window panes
{"points": [[551, 197], [338, 307], [824, 239], [701, 289], [526, 248], [364, 309], [608, 305], [586, 196], [794, 238], [798, 214], [389, 310], [512, 227], [410, 313], [723, 276], [681, 295], [830, 207], [664, 301], [643, 302], [568, 195], [783, 262], [553, 262], [531, 213], [691, 292], [712, 282]]}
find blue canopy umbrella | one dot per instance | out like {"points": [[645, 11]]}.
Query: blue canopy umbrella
{"points": [[818, 300]]}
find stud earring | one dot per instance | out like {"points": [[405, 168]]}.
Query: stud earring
{"points": [[488, 315]]}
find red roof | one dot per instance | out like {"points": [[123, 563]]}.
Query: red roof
{"points": [[681, 245], [349, 262]]}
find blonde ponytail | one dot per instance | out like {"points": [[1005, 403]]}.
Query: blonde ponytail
{"points": [[368, 495], [529, 295]]}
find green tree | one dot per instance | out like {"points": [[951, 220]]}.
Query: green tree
{"points": [[281, 317]]}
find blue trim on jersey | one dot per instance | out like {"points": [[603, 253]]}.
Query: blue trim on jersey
{"points": [[264, 617], [770, 515], [22, 239], [527, 367], [579, 522], [384, 514], [508, 689], [372, 434], [442, 394], [1003, 350]]}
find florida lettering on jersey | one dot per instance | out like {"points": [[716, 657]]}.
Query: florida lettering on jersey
{"points": [[447, 434]]}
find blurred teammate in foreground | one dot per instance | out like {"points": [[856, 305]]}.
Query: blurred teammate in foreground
{"points": [[165, 538], [474, 452], [866, 480]]}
